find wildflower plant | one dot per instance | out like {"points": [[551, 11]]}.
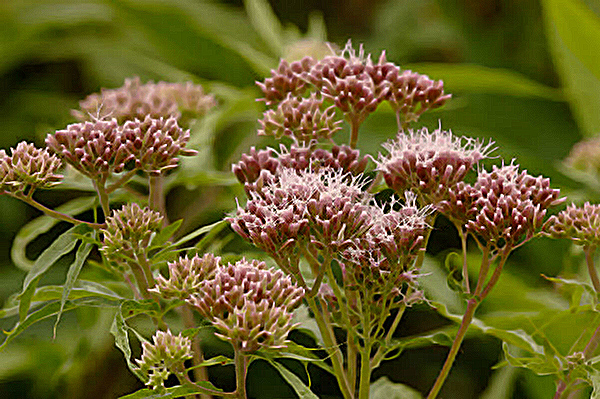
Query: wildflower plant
{"points": [[341, 248]]}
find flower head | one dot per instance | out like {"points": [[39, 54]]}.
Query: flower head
{"points": [[28, 167], [411, 94], [97, 149], [129, 232], [164, 356], [250, 305], [186, 275], [430, 163], [288, 78], [135, 100], [155, 144], [509, 205], [304, 119], [578, 223]]}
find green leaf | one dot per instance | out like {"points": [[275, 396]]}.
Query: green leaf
{"points": [[41, 225], [119, 330], [165, 234], [82, 253], [198, 232], [52, 309], [266, 24], [61, 246], [132, 307], [541, 364], [383, 388], [174, 392], [573, 31], [576, 290], [479, 79], [295, 382]]}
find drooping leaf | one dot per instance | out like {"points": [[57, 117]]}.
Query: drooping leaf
{"points": [[120, 330], [41, 225], [295, 382], [64, 244], [73, 273]]}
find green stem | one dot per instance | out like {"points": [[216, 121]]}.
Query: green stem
{"points": [[354, 125], [55, 214], [331, 348], [365, 372], [156, 195], [462, 331], [472, 304], [351, 359], [383, 348], [589, 259], [241, 371], [200, 373], [124, 179], [103, 196]]}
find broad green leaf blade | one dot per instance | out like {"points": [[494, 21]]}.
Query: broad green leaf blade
{"points": [[174, 392], [383, 388], [41, 225], [64, 244], [476, 78], [73, 273], [295, 382], [502, 383], [573, 31], [52, 309], [119, 330]]}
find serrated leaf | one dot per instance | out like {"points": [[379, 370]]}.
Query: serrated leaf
{"points": [[383, 388], [295, 382], [72, 274], [41, 225], [541, 364], [64, 244]]}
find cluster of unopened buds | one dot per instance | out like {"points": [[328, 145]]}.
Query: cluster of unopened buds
{"points": [[164, 356], [250, 305], [354, 85], [28, 168]]}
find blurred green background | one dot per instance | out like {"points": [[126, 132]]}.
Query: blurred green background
{"points": [[523, 72]]}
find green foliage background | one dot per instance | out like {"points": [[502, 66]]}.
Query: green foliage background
{"points": [[523, 72]]}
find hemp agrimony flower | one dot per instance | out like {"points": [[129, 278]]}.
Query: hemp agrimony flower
{"points": [[580, 224], [288, 78], [430, 164], [28, 168], [250, 305], [304, 119], [97, 149], [510, 205], [156, 143], [135, 100], [128, 234], [186, 275], [164, 356]]}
